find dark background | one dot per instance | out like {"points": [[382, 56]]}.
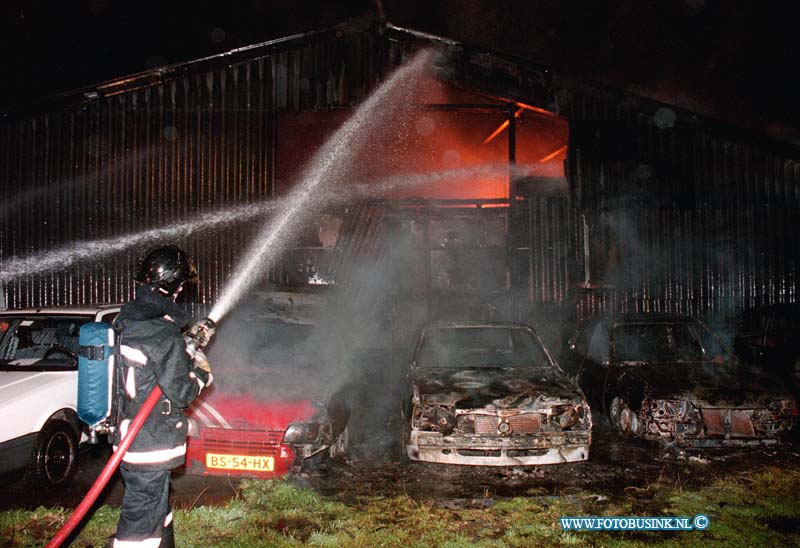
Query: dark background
{"points": [[733, 60]]}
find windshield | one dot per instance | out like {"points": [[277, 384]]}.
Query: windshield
{"points": [[284, 343], [269, 359], [32, 341], [667, 342], [470, 347]]}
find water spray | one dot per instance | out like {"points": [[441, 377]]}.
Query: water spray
{"points": [[63, 257], [60, 258], [14, 204], [327, 160]]}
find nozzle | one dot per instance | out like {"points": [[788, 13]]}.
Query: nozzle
{"points": [[199, 335], [207, 323]]}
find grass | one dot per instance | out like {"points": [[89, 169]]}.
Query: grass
{"points": [[755, 509]]}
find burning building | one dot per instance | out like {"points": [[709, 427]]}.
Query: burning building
{"points": [[605, 201]]}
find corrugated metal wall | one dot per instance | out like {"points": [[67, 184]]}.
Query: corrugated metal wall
{"points": [[669, 210], [685, 221], [695, 221], [157, 149]]}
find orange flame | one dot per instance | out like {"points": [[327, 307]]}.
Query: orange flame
{"points": [[553, 154], [502, 127]]}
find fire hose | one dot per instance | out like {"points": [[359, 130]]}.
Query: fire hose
{"points": [[108, 470], [197, 338]]}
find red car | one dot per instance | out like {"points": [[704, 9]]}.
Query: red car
{"points": [[277, 399], [243, 437]]}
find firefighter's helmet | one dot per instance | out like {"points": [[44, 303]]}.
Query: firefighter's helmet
{"points": [[166, 268]]}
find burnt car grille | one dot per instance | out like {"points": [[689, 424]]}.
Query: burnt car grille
{"points": [[528, 423], [480, 452], [243, 441], [740, 425], [524, 423]]}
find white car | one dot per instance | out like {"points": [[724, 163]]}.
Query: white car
{"points": [[40, 430]]}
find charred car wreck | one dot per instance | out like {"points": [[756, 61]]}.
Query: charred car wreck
{"points": [[491, 394], [671, 378]]}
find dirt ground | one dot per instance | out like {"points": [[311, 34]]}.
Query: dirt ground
{"points": [[616, 468]]}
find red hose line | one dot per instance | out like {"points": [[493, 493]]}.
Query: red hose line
{"points": [[108, 470]]}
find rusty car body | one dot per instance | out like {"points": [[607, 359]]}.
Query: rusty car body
{"points": [[669, 377], [491, 394]]}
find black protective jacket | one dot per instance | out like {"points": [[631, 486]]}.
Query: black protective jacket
{"points": [[153, 352]]}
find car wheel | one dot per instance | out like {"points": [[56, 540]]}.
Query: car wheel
{"points": [[55, 457], [623, 419], [338, 449]]}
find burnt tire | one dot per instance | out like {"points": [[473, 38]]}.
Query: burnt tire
{"points": [[623, 419], [55, 458]]}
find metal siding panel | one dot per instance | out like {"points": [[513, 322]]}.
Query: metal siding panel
{"points": [[735, 248], [153, 156]]}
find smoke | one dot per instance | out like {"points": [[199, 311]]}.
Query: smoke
{"points": [[283, 347], [355, 337], [667, 260], [269, 351]]}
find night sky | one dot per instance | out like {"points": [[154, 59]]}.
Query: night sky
{"points": [[735, 61]]}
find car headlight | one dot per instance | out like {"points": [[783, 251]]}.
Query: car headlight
{"points": [[785, 407], [301, 432], [433, 418], [681, 410], [584, 414], [567, 416], [192, 428]]}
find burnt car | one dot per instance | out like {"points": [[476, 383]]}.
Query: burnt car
{"points": [[278, 400], [769, 337], [671, 378], [491, 394]]}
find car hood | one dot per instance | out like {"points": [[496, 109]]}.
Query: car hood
{"points": [[245, 412], [517, 388], [717, 384]]}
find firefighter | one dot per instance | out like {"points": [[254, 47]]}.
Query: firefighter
{"points": [[153, 352]]}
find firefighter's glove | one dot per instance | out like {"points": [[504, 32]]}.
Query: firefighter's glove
{"points": [[199, 335], [201, 368], [209, 328]]}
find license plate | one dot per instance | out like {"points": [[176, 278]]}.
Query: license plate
{"points": [[240, 462]]}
